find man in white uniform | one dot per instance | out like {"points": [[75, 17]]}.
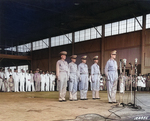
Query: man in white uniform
{"points": [[83, 78], [112, 77], [1, 79], [28, 79], [62, 74], [73, 78], [53, 81], [47, 78], [32, 81], [95, 78], [43, 81], [22, 80], [16, 81]]}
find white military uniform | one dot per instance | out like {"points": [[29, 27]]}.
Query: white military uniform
{"points": [[53, 82], [22, 80], [112, 77], [47, 78], [1, 79], [43, 80], [16, 81], [62, 75], [83, 80], [32, 82], [95, 78], [50, 82], [73, 81], [28, 79]]}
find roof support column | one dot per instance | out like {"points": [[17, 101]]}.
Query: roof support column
{"points": [[143, 43], [49, 56], [73, 38], [102, 49]]}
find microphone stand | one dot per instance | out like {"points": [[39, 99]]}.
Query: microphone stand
{"points": [[131, 80]]}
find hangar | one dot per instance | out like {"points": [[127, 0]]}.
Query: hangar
{"points": [[32, 33]]}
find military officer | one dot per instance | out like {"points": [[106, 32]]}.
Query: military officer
{"points": [[112, 77], [37, 79], [73, 80], [22, 77], [95, 78], [62, 74], [83, 78]]}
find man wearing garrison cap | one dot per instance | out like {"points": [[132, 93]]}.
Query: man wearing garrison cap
{"points": [[95, 78], [73, 80], [83, 78], [112, 77], [62, 74]]}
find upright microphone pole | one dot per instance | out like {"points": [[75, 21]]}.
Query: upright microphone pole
{"points": [[131, 79], [135, 80]]}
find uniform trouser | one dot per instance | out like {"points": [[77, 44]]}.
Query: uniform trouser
{"points": [[1, 83], [32, 85], [28, 86], [42, 86], [22, 86], [62, 84], [5, 85], [50, 85], [53, 86], [73, 96], [16, 84], [111, 90], [37, 84], [47, 85], [95, 94], [83, 86], [83, 94]]}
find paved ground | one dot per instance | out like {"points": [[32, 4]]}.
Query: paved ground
{"points": [[44, 106]]}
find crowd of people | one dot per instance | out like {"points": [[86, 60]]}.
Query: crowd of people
{"points": [[74, 78], [26, 80]]}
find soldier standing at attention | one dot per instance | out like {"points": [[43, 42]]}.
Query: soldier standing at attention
{"points": [[62, 74], [112, 77], [73, 80], [37, 79], [95, 78], [83, 78]]}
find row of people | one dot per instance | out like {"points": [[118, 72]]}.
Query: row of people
{"points": [[79, 74], [25, 81]]}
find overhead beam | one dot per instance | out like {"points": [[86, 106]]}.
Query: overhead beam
{"points": [[19, 57]]}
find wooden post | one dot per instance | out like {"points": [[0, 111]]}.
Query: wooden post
{"points": [[73, 38], [142, 44], [102, 49], [49, 56]]}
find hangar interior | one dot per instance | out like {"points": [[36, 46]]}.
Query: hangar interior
{"points": [[34, 32]]}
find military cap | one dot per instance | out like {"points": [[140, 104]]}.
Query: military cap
{"points": [[114, 52], [63, 53], [95, 58], [73, 56], [84, 57]]}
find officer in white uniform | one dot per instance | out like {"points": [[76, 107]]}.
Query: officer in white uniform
{"points": [[83, 78], [95, 78], [28, 79], [112, 77], [53, 81], [47, 78], [22, 80], [43, 81], [1, 79], [50, 81], [32, 81], [139, 82], [16, 81], [62, 74], [73, 78]]}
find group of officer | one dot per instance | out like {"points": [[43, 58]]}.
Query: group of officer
{"points": [[25, 81], [79, 74]]}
